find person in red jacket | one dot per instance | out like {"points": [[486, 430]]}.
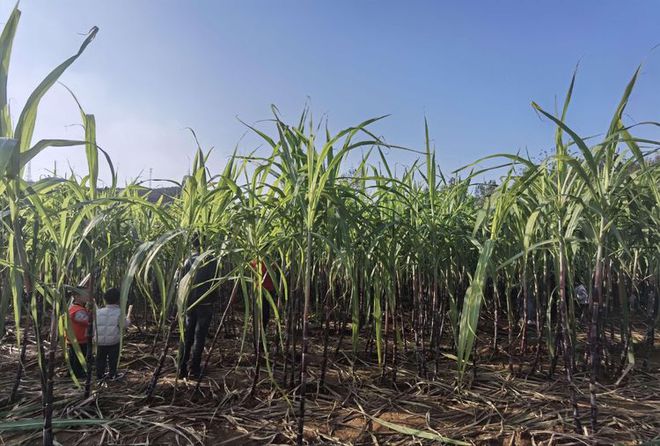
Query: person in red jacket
{"points": [[80, 319]]}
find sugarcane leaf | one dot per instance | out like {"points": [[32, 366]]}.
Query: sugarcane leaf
{"points": [[28, 117], [8, 157], [418, 433], [6, 43], [58, 423], [33, 151], [471, 307]]}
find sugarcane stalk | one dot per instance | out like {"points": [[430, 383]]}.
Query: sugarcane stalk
{"points": [[90, 333], [385, 342], [48, 397], [305, 340], [21, 360], [257, 333], [593, 334], [161, 361], [326, 332], [525, 295], [540, 318], [496, 313], [294, 339], [651, 312], [289, 334], [510, 321], [569, 358]]}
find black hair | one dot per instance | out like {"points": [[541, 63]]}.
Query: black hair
{"points": [[111, 296], [195, 240]]}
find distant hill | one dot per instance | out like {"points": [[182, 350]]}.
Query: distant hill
{"points": [[152, 195], [168, 194]]}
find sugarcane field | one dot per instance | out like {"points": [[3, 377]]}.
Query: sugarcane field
{"points": [[315, 276]]}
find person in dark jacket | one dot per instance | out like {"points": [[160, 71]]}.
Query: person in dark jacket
{"points": [[200, 311]]}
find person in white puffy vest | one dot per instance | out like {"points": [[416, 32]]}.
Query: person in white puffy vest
{"points": [[108, 334]]}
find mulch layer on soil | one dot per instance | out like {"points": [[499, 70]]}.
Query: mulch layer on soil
{"points": [[356, 406]]}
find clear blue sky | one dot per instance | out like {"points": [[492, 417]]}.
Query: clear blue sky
{"points": [[472, 68]]}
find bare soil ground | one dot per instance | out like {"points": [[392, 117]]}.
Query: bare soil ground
{"points": [[357, 406]]}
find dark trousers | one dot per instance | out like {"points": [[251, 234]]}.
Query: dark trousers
{"points": [[107, 355], [265, 308], [77, 368], [197, 327], [265, 314]]}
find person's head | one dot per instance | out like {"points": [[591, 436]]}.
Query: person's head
{"points": [[111, 297], [194, 241], [81, 297]]}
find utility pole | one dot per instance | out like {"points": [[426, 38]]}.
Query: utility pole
{"points": [[29, 172], [151, 173]]}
